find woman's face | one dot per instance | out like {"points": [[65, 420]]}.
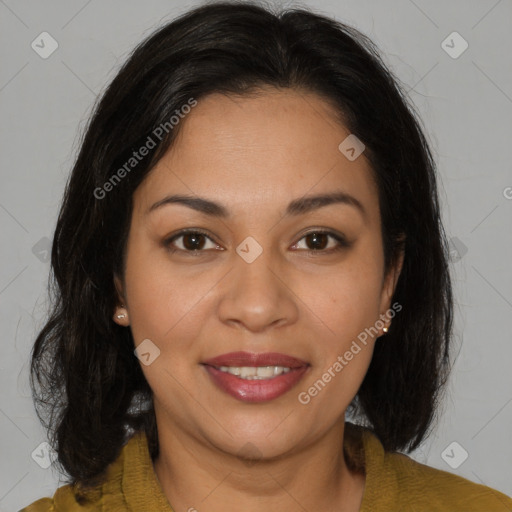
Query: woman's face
{"points": [[254, 282]]}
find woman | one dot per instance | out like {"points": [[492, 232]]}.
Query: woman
{"points": [[204, 346]]}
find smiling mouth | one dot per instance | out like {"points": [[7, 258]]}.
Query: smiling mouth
{"points": [[250, 387]]}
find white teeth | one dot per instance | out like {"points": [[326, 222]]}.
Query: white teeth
{"points": [[247, 371], [255, 372]]}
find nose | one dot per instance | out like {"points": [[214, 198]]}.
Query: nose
{"points": [[258, 295]]}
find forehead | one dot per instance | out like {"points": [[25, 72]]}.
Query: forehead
{"points": [[260, 150]]}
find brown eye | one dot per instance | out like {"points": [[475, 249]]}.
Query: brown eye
{"points": [[318, 242], [191, 241]]}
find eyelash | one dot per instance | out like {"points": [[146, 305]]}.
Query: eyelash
{"points": [[342, 242]]}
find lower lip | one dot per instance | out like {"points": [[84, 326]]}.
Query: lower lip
{"points": [[257, 390]]}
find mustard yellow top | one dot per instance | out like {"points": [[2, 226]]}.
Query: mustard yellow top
{"points": [[394, 483]]}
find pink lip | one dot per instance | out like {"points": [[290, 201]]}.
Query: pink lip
{"points": [[252, 359], [255, 390]]}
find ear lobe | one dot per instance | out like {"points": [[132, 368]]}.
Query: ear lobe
{"points": [[121, 317]]}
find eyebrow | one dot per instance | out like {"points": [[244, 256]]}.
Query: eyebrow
{"points": [[296, 207]]}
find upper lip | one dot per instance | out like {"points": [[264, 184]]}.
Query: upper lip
{"points": [[252, 359]]}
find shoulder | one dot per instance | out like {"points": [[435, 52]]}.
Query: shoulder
{"points": [[42, 505], [394, 481], [436, 489], [66, 499], [129, 483], [71, 498]]}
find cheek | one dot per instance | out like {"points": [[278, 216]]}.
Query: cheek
{"points": [[345, 305], [348, 305], [156, 297], [162, 305], [346, 300]]}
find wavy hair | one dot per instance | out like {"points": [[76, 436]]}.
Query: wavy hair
{"points": [[88, 387]]}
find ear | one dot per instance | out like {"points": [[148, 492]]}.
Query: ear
{"points": [[120, 315], [391, 279], [119, 289]]}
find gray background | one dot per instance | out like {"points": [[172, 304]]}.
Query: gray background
{"points": [[466, 107]]}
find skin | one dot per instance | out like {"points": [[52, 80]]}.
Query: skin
{"points": [[254, 155]]}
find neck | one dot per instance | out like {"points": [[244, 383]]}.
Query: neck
{"points": [[196, 475]]}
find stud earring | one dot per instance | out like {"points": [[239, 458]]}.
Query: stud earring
{"points": [[121, 315], [385, 329]]}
